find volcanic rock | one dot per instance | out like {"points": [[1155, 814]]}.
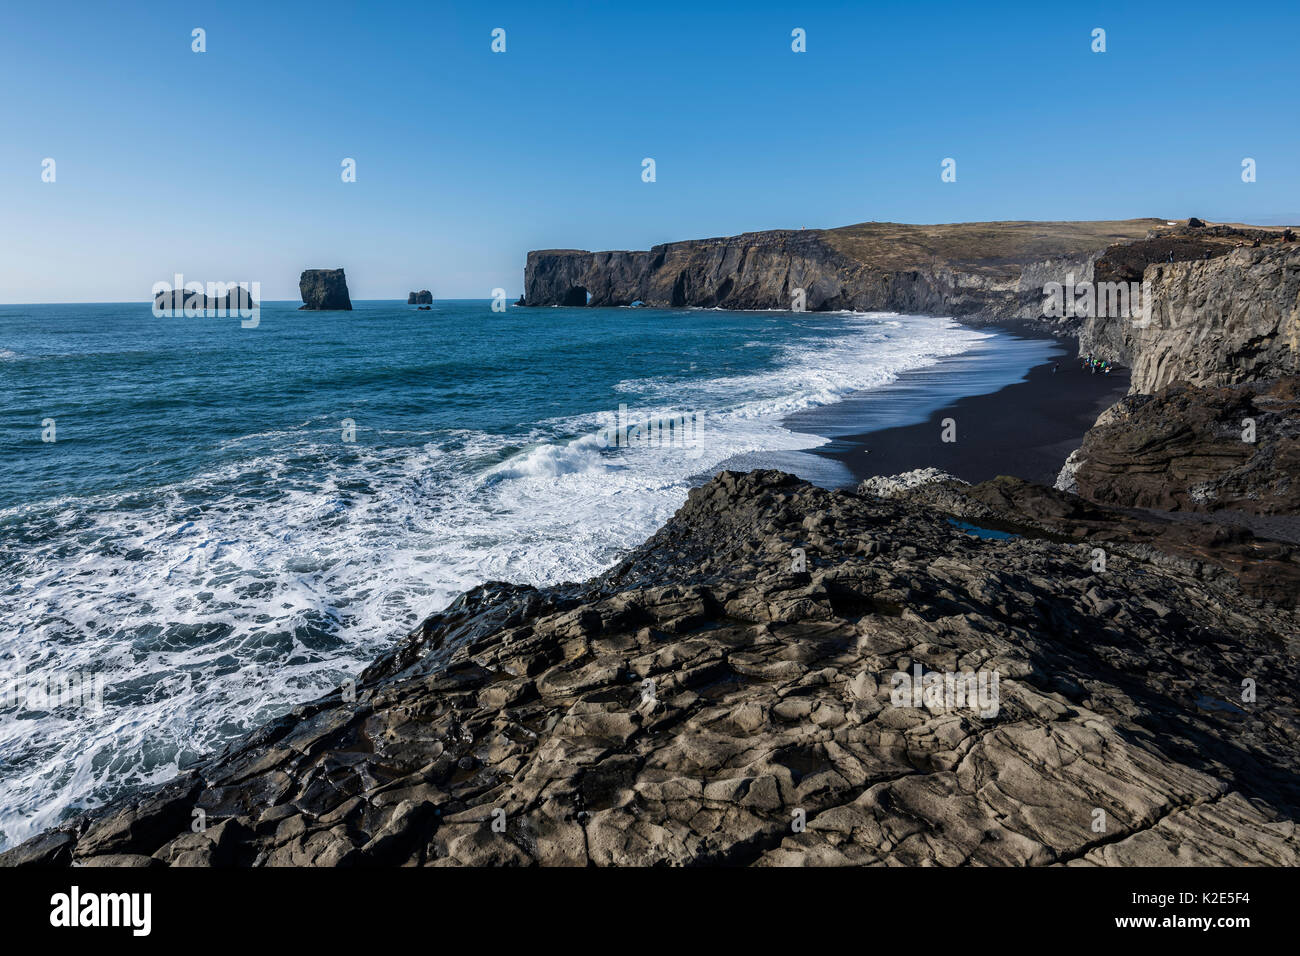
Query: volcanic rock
{"points": [[971, 269], [177, 300], [1198, 449], [324, 290], [1220, 321], [733, 693], [1260, 566], [980, 271]]}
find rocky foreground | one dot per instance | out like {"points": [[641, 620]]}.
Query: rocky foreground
{"points": [[729, 694]]}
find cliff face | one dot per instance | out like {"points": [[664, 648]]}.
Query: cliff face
{"points": [[324, 289], [763, 271], [754, 271], [423, 297], [1218, 348], [1218, 321], [968, 269]]}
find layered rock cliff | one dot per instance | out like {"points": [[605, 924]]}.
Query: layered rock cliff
{"points": [[993, 270], [324, 290], [1198, 449], [1223, 302], [1214, 321], [1213, 421]]}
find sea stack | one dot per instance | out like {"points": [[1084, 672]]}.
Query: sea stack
{"points": [[324, 290], [423, 297], [176, 300]]}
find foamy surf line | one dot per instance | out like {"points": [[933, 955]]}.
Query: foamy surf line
{"points": [[204, 620]]}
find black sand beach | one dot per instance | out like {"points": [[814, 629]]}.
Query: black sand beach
{"points": [[1026, 429]]}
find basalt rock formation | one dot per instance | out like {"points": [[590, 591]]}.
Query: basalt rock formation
{"points": [[994, 269], [324, 290], [1220, 321], [1224, 301], [178, 300], [1216, 349], [1198, 449], [1260, 566], [737, 691], [423, 297]]}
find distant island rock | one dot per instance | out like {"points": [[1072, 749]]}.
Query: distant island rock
{"points": [[423, 297], [177, 300], [324, 290]]}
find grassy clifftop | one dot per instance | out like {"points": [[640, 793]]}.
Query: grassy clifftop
{"points": [[993, 248]]}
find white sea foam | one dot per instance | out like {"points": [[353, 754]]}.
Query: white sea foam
{"points": [[207, 619]]}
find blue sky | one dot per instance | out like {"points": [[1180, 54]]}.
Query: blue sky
{"points": [[225, 165]]}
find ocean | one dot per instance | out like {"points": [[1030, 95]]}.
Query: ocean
{"points": [[229, 520]]}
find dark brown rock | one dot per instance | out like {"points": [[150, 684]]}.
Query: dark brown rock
{"points": [[1184, 449]]}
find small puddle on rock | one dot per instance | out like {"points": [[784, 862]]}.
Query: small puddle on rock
{"points": [[1209, 703], [979, 532]]}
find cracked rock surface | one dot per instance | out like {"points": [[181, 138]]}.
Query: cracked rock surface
{"points": [[727, 695]]}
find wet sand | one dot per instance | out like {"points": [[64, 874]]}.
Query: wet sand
{"points": [[1025, 429]]}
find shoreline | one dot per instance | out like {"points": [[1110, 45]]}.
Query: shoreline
{"points": [[387, 774], [1024, 428]]}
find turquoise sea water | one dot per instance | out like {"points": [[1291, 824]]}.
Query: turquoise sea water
{"points": [[231, 520]]}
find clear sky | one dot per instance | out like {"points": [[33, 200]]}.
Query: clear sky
{"points": [[225, 165]]}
